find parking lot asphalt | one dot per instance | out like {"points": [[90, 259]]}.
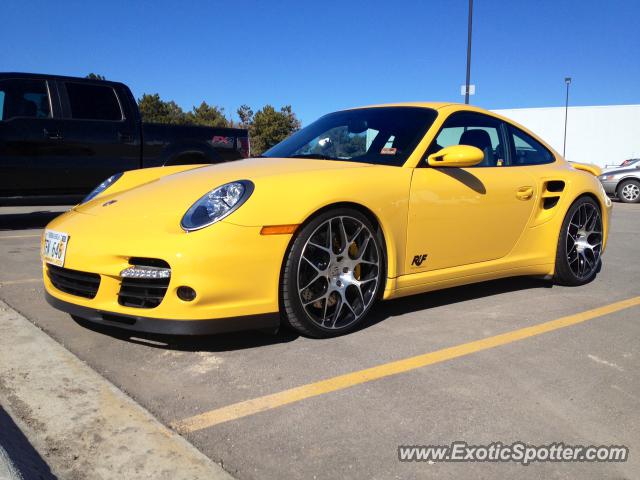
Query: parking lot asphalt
{"points": [[577, 384]]}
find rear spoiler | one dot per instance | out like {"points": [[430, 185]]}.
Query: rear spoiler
{"points": [[587, 167]]}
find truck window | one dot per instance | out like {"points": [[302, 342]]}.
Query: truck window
{"points": [[24, 98], [93, 102]]}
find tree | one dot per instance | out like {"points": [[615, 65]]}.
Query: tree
{"points": [[270, 127], [175, 114], [210, 115], [266, 127], [95, 76], [153, 109], [246, 116]]}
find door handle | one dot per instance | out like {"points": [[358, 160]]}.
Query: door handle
{"points": [[524, 193], [52, 135]]}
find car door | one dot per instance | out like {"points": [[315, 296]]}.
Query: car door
{"points": [[463, 216], [98, 137], [30, 133]]}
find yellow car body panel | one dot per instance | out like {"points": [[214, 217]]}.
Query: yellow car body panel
{"points": [[587, 167], [473, 223], [135, 178]]}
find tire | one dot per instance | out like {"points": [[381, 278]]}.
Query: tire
{"points": [[629, 191], [578, 256], [328, 288]]}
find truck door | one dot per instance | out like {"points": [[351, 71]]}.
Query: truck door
{"points": [[99, 138], [30, 134]]}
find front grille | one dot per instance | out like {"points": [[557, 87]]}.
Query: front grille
{"points": [[143, 292], [74, 282]]}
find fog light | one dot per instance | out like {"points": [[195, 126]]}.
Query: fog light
{"points": [[142, 271], [186, 293]]}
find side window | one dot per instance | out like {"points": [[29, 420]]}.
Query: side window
{"points": [[528, 151], [24, 98], [473, 129], [93, 102]]}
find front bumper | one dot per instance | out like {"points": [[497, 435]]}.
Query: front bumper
{"points": [[234, 270], [166, 326]]}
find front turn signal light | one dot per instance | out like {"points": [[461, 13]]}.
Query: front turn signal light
{"points": [[278, 229]]}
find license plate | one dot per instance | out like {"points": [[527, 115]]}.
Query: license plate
{"points": [[54, 247]]}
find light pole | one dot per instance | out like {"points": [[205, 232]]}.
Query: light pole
{"points": [[567, 80], [469, 25]]}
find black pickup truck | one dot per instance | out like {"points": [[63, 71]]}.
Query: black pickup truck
{"points": [[61, 136]]}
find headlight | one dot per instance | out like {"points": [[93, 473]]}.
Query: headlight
{"points": [[102, 187], [217, 204]]}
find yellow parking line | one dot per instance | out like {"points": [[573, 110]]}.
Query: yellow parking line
{"points": [[18, 282], [18, 236], [275, 400]]}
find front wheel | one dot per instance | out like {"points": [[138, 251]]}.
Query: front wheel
{"points": [[579, 244], [629, 191], [333, 274]]}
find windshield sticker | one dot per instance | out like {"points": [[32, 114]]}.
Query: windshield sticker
{"points": [[388, 151]]}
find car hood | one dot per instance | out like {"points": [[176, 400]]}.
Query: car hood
{"points": [[171, 195]]}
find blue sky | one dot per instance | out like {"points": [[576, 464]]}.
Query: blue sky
{"points": [[323, 56]]}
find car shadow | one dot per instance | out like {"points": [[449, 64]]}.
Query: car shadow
{"points": [[425, 301], [26, 221], [381, 312], [465, 177], [221, 342]]}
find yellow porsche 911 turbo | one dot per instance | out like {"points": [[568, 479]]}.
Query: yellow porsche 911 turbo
{"points": [[363, 204]]}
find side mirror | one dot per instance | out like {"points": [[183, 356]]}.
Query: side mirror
{"points": [[456, 156]]}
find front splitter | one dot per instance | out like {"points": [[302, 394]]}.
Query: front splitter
{"points": [[166, 326]]}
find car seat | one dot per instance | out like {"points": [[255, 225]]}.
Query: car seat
{"points": [[480, 139]]}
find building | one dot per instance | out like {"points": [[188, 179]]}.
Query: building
{"points": [[603, 135]]}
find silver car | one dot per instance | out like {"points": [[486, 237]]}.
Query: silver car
{"points": [[632, 162], [623, 183]]}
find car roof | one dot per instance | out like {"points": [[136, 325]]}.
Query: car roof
{"points": [[431, 105]]}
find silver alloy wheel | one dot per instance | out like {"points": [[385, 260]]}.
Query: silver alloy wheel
{"points": [[630, 192], [584, 240], [338, 273]]}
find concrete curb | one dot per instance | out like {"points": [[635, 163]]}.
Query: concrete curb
{"points": [[18, 458], [80, 423]]}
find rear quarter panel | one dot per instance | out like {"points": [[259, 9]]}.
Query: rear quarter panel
{"points": [[538, 245]]}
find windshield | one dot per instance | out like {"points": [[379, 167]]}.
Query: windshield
{"points": [[380, 135]]}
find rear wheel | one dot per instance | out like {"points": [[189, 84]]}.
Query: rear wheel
{"points": [[629, 191], [580, 244], [333, 274]]}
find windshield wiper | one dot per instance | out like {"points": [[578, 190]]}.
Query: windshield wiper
{"points": [[318, 156]]}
